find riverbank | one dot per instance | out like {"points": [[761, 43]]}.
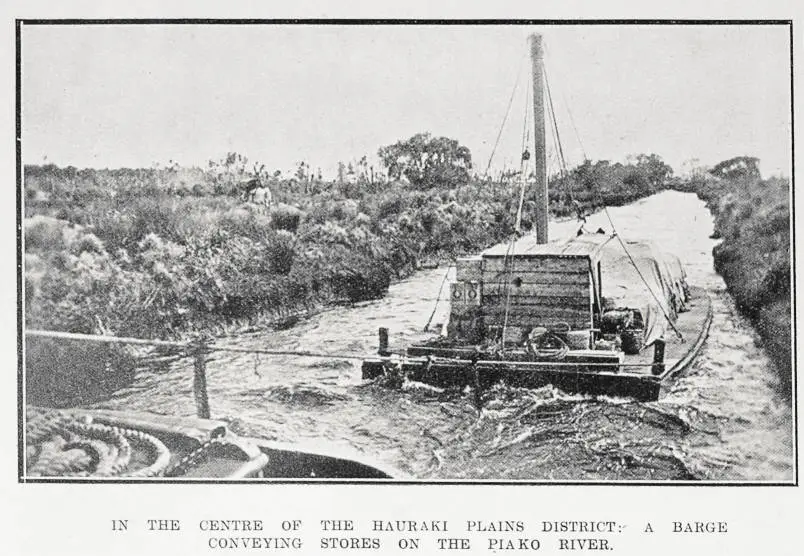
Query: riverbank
{"points": [[752, 218], [175, 252], [164, 252]]}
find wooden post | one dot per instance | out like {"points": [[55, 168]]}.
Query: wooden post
{"points": [[600, 284], [539, 143], [200, 381], [383, 349], [658, 357]]}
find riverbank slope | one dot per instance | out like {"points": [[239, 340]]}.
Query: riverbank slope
{"points": [[752, 217]]}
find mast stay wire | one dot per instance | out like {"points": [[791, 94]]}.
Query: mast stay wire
{"points": [[488, 167], [523, 166], [509, 255], [563, 169], [639, 272], [557, 136], [605, 210], [438, 298], [509, 252], [505, 117], [567, 105]]}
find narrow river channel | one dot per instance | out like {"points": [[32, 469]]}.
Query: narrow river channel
{"points": [[721, 421]]}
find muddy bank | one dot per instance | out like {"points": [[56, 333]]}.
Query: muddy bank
{"points": [[752, 220]]}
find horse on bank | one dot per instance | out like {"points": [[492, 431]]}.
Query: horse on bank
{"points": [[253, 191], [262, 197]]}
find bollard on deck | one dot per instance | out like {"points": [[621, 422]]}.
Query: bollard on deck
{"points": [[658, 357], [383, 347]]}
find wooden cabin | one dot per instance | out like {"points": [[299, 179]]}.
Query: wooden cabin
{"points": [[557, 286]]}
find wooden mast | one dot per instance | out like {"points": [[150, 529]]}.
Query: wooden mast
{"points": [[539, 146]]}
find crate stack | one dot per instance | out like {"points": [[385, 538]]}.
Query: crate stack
{"points": [[466, 295]]}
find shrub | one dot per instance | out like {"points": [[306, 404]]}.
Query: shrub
{"points": [[152, 263], [752, 217], [246, 222], [88, 242], [356, 277], [280, 250], [45, 233], [154, 214], [202, 190], [391, 206], [285, 217]]}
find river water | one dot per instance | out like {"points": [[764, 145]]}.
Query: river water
{"points": [[723, 420]]}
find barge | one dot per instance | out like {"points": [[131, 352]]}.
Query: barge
{"points": [[574, 314], [592, 314]]}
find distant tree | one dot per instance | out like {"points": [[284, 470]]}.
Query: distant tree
{"points": [[636, 182], [737, 167], [362, 170], [301, 171], [428, 161], [654, 169], [303, 175], [341, 172], [594, 175]]}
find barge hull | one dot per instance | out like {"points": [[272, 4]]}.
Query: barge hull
{"points": [[584, 372], [574, 379]]}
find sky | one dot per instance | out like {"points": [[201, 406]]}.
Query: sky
{"points": [[134, 95]]}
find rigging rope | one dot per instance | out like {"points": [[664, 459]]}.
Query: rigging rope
{"points": [[557, 138], [62, 444], [647, 286], [438, 298], [509, 255], [186, 345], [605, 208], [560, 148], [639, 272], [574, 128], [523, 167], [569, 111], [554, 121], [508, 266], [505, 118]]}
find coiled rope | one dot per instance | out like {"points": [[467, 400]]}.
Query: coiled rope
{"points": [[59, 444], [547, 345]]}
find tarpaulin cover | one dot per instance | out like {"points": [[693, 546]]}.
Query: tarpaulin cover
{"points": [[660, 290]]}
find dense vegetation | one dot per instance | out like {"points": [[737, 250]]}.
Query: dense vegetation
{"points": [[159, 252], [752, 216], [167, 251]]}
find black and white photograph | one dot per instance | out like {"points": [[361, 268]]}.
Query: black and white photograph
{"points": [[413, 252]]}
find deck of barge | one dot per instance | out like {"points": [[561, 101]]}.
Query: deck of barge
{"points": [[631, 376]]}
